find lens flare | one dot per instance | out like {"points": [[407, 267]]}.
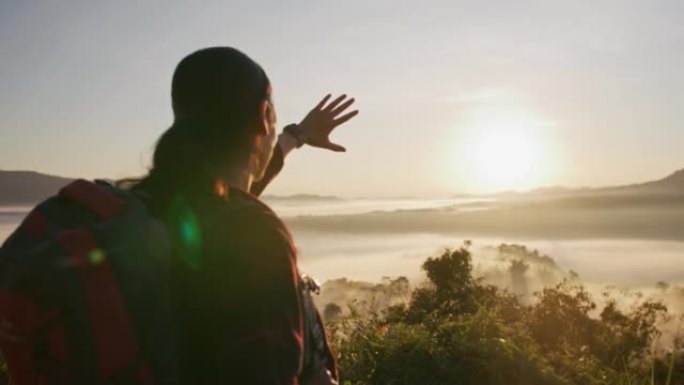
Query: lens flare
{"points": [[188, 232], [96, 256]]}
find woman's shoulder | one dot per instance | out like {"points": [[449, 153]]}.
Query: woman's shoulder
{"points": [[247, 218], [239, 204]]}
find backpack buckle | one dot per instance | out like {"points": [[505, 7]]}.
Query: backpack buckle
{"points": [[309, 283]]}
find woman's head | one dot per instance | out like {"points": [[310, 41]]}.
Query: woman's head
{"points": [[223, 119], [218, 86]]}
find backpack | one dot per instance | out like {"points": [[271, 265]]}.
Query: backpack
{"points": [[84, 293]]}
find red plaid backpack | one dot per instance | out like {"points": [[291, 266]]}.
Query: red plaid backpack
{"points": [[84, 292]]}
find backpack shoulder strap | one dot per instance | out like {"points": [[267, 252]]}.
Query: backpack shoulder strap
{"points": [[94, 197]]}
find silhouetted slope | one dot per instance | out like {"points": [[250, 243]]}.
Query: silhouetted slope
{"points": [[301, 198], [672, 184], [28, 187], [652, 210]]}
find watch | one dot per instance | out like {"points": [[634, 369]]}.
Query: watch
{"points": [[296, 132]]}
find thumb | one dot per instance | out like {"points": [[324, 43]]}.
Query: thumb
{"points": [[335, 147]]}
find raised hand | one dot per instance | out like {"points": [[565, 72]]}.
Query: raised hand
{"points": [[323, 119]]}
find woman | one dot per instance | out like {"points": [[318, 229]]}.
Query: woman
{"points": [[235, 281]]}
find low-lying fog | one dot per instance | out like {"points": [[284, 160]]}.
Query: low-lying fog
{"points": [[640, 263], [334, 240]]}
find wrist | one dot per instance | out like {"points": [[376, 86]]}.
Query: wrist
{"points": [[287, 143], [297, 132]]}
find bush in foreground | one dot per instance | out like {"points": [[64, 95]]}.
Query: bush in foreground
{"points": [[458, 330]]}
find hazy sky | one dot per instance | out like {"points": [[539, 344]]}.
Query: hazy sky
{"points": [[531, 92]]}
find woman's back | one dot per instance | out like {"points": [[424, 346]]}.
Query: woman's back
{"points": [[234, 288]]}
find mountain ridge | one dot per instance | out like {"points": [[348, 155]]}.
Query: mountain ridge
{"points": [[21, 187], [672, 183]]}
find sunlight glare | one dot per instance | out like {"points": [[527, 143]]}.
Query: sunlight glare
{"points": [[505, 153]]}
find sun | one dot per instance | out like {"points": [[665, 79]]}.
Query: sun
{"points": [[505, 158], [505, 154]]}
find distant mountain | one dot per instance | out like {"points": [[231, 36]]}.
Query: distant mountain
{"points": [[28, 187], [672, 184], [652, 210], [302, 198]]}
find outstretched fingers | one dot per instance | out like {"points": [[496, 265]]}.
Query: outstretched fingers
{"points": [[345, 117], [320, 104], [340, 109], [330, 107], [324, 118]]}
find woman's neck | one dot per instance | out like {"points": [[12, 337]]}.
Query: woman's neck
{"points": [[240, 178]]}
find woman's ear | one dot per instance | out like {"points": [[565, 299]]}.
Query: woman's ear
{"points": [[266, 117]]}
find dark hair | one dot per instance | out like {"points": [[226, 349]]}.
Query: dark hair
{"points": [[215, 92]]}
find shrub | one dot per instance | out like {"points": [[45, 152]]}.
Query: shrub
{"points": [[458, 330]]}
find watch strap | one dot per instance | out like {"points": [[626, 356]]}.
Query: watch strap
{"points": [[296, 131]]}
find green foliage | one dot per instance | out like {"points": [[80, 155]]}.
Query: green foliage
{"points": [[458, 330], [4, 372], [332, 311]]}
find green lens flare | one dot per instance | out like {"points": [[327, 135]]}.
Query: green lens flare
{"points": [[96, 256], [188, 232]]}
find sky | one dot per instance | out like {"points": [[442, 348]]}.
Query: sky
{"points": [[454, 96]]}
